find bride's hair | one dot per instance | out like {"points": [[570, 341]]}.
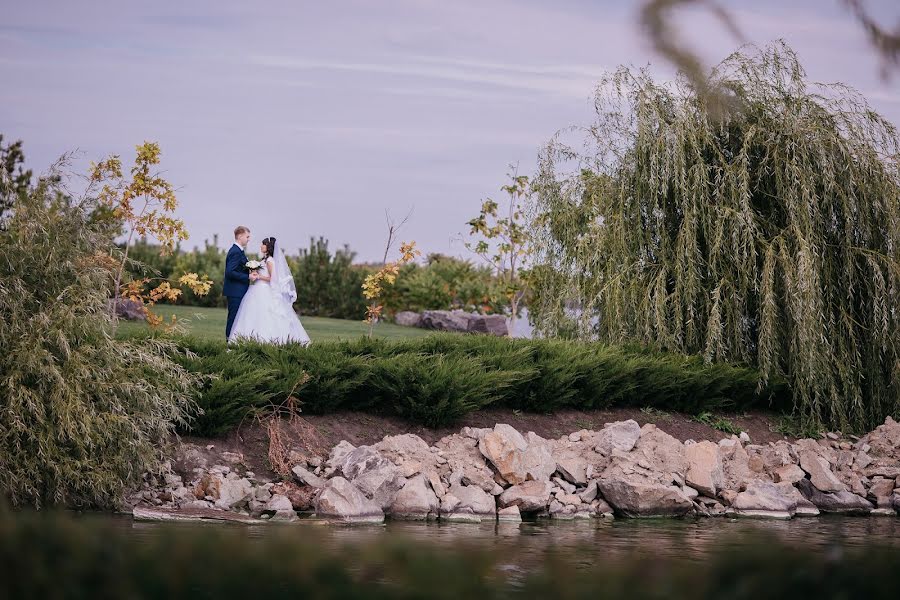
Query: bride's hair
{"points": [[269, 243]]}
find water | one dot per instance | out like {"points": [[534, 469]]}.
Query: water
{"points": [[588, 543]]}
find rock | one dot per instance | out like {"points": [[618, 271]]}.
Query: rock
{"points": [[589, 493], [515, 459], [509, 514], [436, 484], [573, 470], [569, 499], [788, 474], [640, 499], [281, 508], [233, 492], [690, 492], [344, 501], [843, 502], [381, 483], [416, 501], [704, 471], [880, 492], [475, 499], [306, 478], [446, 320], [362, 459], [602, 508], [564, 485], [408, 318], [622, 435], [495, 325], [337, 455], [771, 500], [744, 437], [820, 472], [530, 496], [302, 497], [191, 514]]}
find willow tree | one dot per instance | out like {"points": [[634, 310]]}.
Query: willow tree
{"points": [[767, 233]]}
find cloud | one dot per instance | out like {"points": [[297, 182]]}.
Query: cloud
{"points": [[554, 80]]}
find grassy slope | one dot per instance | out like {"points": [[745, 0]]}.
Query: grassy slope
{"points": [[209, 324]]}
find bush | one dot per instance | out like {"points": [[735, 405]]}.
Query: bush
{"points": [[445, 283], [83, 415], [328, 285], [437, 379]]}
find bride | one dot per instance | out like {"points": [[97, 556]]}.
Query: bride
{"points": [[266, 313]]}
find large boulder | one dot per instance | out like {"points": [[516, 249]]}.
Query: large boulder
{"points": [[446, 320], [621, 435], [820, 473], [381, 484], [467, 503], [416, 501], [515, 459], [633, 498], [772, 500], [343, 501], [408, 318], [490, 324], [530, 496], [359, 460], [573, 469], [704, 468], [842, 502], [280, 509]]}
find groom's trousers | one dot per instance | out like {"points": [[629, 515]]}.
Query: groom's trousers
{"points": [[234, 302]]}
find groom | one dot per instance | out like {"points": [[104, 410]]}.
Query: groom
{"points": [[237, 277]]}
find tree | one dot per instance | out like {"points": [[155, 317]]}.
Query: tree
{"points": [[502, 241], [14, 179], [145, 205], [769, 234], [83, 415]]}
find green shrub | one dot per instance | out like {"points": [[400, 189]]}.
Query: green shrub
{"points": [[82, 415], [328, 285], [445, 283], [437, 379]]}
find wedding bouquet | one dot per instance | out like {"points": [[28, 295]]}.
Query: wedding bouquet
{"points": [[253, 265]]}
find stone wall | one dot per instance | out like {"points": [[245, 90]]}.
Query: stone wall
{"points": [[623, 470]]}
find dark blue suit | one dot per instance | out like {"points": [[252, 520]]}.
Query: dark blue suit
{"points": [[237, 282]]}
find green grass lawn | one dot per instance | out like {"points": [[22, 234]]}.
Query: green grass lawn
{"points": [[209, 323]]}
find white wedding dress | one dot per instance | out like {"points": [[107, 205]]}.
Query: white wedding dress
{"points": [[266, 313]]}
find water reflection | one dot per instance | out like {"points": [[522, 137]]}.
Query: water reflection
{"points": [[588, 543]]}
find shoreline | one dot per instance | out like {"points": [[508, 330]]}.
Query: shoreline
{"points": [[499, 474]]}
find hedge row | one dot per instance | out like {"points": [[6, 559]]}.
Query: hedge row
{"points": [[436, 380]]}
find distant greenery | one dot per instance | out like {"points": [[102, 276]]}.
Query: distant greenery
{"points": [[330, 285], [437, 379], [444, 282], [82, 415], [62, 556], [765, 232]]}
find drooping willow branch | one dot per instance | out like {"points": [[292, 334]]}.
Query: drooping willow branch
{"points": [[768, 234]]}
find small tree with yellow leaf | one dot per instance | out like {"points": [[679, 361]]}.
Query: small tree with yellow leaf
{"points": [[375, 283], [502, 241], [144, 204]]}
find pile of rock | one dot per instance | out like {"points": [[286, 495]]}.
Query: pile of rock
{"points": [[454, 320], [623, 469]]}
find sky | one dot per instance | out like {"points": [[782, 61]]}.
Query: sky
{"points": [[309, 118]]}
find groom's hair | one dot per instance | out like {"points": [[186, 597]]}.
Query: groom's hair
{"points": [[241, 229]]}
